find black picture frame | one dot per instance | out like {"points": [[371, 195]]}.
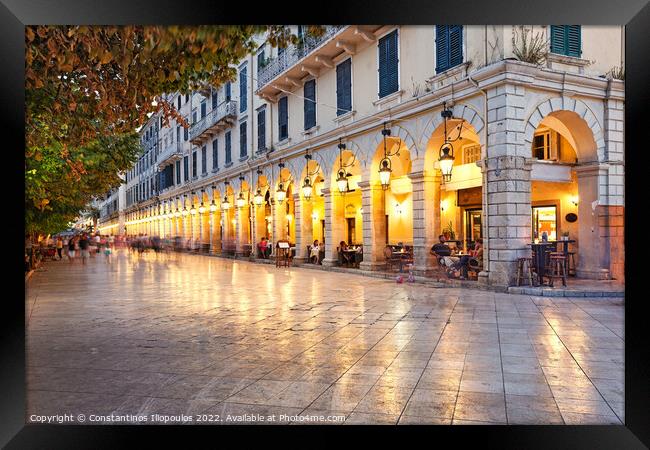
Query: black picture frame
{"points": [[635, 14]]}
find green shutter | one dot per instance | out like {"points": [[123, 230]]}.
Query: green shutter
{"points": [[574, 42], [388, 64], [442, 48], [455, 45]]}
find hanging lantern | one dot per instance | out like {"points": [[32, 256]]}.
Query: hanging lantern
{"points": [[241, 201], [193, 210], [342, 181], [213, 207], [384, 173], [307, 189], [280, 194], [446, 160], [258, 198], [185, 212], [201, 208], [225, 204]]}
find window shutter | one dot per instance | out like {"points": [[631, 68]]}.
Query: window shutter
{"points": [[242, 90], [215, 154], [558, 40], [442, 48], [242, 140], [310, 106], [228, 94], [261, 130], [388, 64], [215, 99], [455, 45], [283, 130], [204, 160], [228, 149], [574, 40]]}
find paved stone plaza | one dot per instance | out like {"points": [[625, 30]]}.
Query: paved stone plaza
{"points": [[212, 338]]}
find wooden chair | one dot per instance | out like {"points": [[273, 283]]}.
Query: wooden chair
{"points": [[391, 258], [556, 268]]}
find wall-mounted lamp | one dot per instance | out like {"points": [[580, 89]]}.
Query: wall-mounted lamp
{"points": [[314, 216], [443, 205], [574, 200], [398, 209]]}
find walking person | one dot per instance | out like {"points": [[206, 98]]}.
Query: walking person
{"points": [[59, 247], [71, 248], [83, 247]]}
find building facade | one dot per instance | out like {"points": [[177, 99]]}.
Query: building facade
{"points": [[340, 137]]}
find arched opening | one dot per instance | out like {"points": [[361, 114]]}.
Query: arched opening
{"points": [[346, 205], [285, 207], [312, 211], [397, 195], [562, 191], [460, 208], [229, 221]]}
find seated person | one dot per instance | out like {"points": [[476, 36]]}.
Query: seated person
{"points": [[441, 249], [265, 248], [345, 256], [314, 252]]}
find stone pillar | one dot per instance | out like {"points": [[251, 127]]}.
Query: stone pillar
{"points": [[334, 218], [374, 226], [241, 230], [302, 238], [593, 260], [507, 167], [426, 220]]}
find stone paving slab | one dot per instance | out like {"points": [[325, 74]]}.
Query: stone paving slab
{"points": [[229, 341]]}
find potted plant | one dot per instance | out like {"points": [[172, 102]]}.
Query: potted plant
{"points": [[448, 232]]}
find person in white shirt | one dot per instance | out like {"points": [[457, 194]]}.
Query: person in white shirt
{"points": [[314, 252]]}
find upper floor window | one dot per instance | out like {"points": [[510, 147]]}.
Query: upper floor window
{"points": [[283, 119], [545, 146], [388, 64], [215, 153], [344, 87], [449, 46], [215, 99], [261, 129], [204, 109], [242, 140], [566, 40], [186, 168], [187, 98], [185, 134], [310, 104], [195, 172], [179, 102], [204, 160], [228, 147], [242, 89], [227, 90], [194, 116], [178, 172]]}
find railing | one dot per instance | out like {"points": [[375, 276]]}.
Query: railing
{"points": [[292, 54], [225, 109]]}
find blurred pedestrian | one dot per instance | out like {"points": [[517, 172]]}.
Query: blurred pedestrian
{"points": [[84, 245], [71, 249], [59, 247]]}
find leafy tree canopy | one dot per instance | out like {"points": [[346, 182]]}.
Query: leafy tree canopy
{"points": [[87, 88]]}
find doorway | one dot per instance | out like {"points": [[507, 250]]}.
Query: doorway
{"points": [[473, 221], [351, 226]]}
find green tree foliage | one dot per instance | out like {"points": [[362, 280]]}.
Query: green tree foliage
{"points": [[88, 87]]}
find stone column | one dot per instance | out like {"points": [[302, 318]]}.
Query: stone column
{"points": [[426, 220], [374, 226], [241, 230], [334, 216], [593, 259], [507, 169], [302, 239]]}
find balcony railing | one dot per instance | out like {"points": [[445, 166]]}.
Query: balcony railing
{"points": [[172, 152], [294, 53], [220, 115]]}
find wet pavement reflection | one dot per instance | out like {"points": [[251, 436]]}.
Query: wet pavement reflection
{"points": [[187, 334]]}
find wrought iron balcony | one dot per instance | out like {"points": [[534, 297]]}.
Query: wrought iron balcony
{"points": [[219, 118], [172, 152], [293, 54]]}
